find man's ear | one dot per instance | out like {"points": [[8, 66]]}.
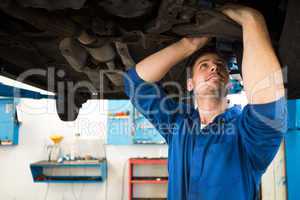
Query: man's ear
{"points": [[189, 85]]}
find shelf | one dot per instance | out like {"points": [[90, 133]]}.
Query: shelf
{"points": [[79, 163], [149, 198], [145, 180], [150, 181], [67, 179], [37, 170], [6, 143], [119, 117], [150, 161], [150, 142]]}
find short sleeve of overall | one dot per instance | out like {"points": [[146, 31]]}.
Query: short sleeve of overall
{"points": [[261, 128], [151, 100]]}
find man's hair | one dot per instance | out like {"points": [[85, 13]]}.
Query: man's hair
{"points": [[201, 52]]}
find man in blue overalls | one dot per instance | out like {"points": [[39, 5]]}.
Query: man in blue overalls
{"points": [[215, 152]]}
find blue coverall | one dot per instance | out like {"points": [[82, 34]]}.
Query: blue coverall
{"points": [[224, 160]]}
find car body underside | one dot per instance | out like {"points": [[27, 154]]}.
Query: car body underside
{"points": [[31, 32]]}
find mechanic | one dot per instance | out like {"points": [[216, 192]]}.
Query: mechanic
{"points": [[206, 163]]}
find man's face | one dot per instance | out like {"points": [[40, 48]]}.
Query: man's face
{"points": [[210, 76]]}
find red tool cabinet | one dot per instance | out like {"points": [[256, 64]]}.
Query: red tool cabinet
{"points": [[144, 180]]}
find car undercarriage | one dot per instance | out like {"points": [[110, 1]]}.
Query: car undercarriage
{"points": [[36, 37]]}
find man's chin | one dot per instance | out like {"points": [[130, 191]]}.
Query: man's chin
{"points": [[208, 93], [215, 81], [212, 91]]}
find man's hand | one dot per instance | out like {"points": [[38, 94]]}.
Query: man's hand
{"points": [[242, 14], [194, 43], [261, 69]]}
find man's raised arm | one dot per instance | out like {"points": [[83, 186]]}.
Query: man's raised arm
{"points": [[263, 121], [155, 67], [261, 70], [148, 96]]}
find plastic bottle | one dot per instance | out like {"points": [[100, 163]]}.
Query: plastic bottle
{"points": [[74, 154]]}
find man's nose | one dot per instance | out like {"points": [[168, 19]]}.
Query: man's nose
{"points": [[213, 68]]}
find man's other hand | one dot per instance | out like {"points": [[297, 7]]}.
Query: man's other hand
{"points": [[241, 14], [194, 43]]}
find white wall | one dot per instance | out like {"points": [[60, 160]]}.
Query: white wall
{"points": [[39, 121]]}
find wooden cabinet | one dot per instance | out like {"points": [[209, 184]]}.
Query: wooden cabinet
{"points": [[133, 180]]}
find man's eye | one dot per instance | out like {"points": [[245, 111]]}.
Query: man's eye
{"points": [[204, 65]]}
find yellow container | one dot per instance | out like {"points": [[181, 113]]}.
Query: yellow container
{"points": [[56, 139]]}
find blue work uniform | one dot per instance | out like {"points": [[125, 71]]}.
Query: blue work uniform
{"points": [[224, 160]]}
